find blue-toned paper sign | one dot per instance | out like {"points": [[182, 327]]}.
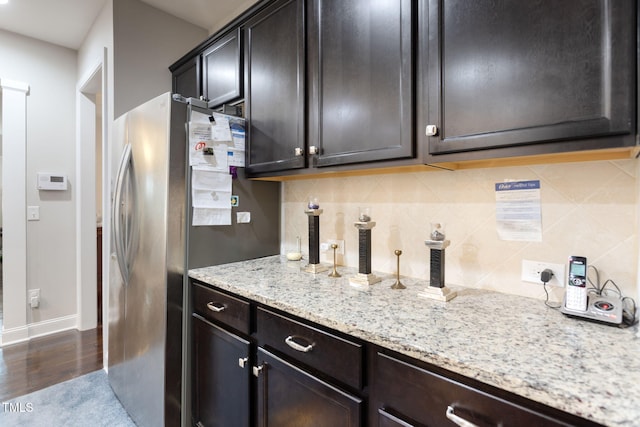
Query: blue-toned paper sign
{"points": [[518, 212]]}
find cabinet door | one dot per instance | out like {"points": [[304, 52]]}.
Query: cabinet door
{"points": [[186, 79], [290, 397], [221, 375], [274, 88], [361, 71], [222, 70], [514, 73]]}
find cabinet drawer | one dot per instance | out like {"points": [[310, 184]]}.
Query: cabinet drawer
{"points": [[220, 307], [330, 354], [408, 395]]}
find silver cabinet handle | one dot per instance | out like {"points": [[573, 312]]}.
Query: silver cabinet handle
{"points": [[290, 341], [313, 150], [431, 130], [257, 370], [299, 151], [215, 308], [458, 420], [242, 362]]}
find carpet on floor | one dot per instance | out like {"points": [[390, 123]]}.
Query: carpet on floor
{"points": [[83, 401]]}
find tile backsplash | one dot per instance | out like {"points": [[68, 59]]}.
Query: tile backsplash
{"points": [[588, 209]]}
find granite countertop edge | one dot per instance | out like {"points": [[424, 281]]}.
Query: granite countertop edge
{"points": [[378, 314]]}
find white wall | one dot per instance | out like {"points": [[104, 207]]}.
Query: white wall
{"points": [[95, 63], [147, 41], [50, 72], [140, 42]]}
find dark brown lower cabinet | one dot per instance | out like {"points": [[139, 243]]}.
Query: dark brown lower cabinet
{"points": [[256, 366], [405, 394], [289, 396], [220, 378]]}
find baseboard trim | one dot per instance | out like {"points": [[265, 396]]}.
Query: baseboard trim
{"points": [[38, 329]]}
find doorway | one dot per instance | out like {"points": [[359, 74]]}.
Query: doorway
{"points": [[90, 213]]}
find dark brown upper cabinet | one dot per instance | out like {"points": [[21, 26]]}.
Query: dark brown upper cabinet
{"points": [[275, 88], [222, 69], [515, 78], [360, 62], [185, 78]]}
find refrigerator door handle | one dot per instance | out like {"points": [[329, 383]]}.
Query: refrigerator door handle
{"points": [[119, 228]]}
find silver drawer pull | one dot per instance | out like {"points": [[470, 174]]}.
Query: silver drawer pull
{"points": [[294, 345], [242, 362], [215, 308], [458, 420]]}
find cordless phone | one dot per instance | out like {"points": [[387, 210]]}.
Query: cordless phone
{"points": [[576, 296]]}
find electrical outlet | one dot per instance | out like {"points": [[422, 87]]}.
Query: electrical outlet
{"points": [[34, 298], [339, 249], [531, 272]]}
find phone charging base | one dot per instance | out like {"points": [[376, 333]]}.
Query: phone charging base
{"points": [[600, 308]]}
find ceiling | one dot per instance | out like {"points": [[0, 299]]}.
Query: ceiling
{"points": [[66, 22]]}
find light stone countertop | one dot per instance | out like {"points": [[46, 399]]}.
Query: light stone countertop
{"points": [[514, 343]]}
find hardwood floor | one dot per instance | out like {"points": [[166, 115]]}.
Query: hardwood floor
{"points": [[45, 361]]}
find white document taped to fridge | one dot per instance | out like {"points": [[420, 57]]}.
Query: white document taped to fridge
{"points": [[199, 137], [236, 152], [211, 196], [518, 213], [208, 155], [204, 149], [229, 132], [220, 128], [211, 217]]}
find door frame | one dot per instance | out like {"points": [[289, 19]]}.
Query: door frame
{"points": [[14, 162], [93, 83]]}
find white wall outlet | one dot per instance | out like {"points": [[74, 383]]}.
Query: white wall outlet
{"points": [[339, 249], [531, 272], [34, 298]]}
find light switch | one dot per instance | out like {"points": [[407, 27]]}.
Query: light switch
{"points": [[33, 213]]}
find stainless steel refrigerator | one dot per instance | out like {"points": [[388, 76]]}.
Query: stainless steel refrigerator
{"points": [[152, 247]]}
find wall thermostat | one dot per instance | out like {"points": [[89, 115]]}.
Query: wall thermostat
{"points": [[49, 181]]}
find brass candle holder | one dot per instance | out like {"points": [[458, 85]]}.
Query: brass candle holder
{"points": [[398, 284], [334, 273]]}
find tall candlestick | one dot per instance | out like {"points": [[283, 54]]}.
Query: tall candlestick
{"points": [[364, 276], [314, 265], [437, 288]]}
